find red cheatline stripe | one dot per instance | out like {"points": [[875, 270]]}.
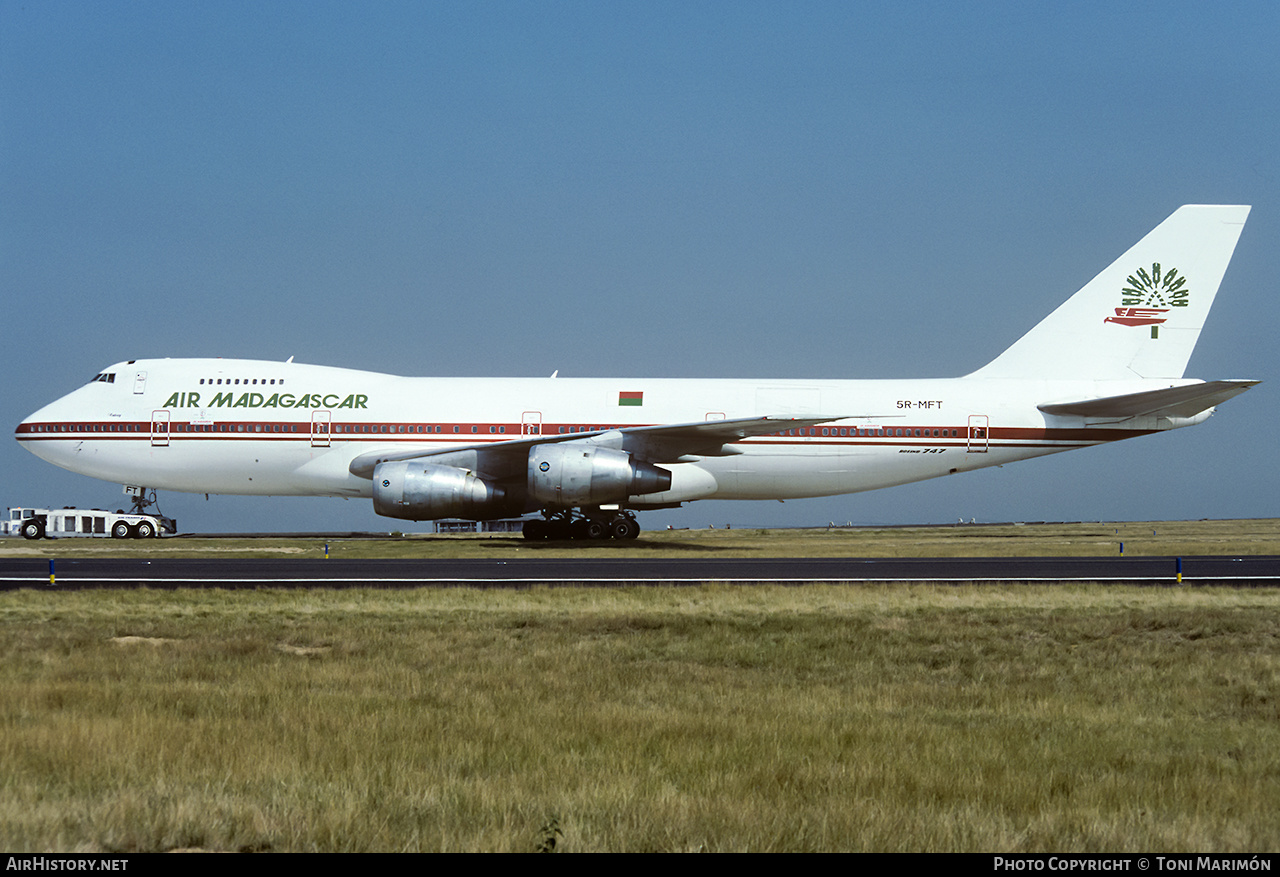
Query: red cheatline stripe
{"points": [[180, 432]]}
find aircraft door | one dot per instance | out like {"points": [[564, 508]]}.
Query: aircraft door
{"points": [[978, 434], [160, 428], [531, 423], [139, 383], [320, 428]]}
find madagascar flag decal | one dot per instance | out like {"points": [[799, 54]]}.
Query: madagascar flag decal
{"points": [[631, 398]]}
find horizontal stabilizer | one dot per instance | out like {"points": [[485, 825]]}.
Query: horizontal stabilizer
{"points": [[1187, 401]]}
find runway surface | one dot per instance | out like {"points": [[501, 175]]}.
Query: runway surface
{"points": [[221, 573]]}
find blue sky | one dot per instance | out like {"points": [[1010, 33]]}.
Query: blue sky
{"points": [[669, 189]]}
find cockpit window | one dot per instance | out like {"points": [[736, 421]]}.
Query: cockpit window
{"points": [[105, 377]]}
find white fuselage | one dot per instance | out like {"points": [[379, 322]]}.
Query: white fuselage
{"points": [[253, 427]]}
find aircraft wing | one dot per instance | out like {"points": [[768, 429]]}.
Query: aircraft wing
{"points": [[662, 443], [1186, 401]]}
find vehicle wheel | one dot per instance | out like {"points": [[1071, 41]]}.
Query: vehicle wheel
{"points": [[594, 529], [624, 528], [144, 530], [32, 530], [121, 530], [535, 530]]}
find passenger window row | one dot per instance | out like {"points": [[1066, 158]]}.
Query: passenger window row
{"points": [[455, 429], [246, 381]]}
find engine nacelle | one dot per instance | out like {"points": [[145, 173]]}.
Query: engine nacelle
{"points": [[577, 473], [417, 491]]}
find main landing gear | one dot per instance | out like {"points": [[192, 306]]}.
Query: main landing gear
{"points": [[571, 525]]}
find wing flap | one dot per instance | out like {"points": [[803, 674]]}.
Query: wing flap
{"points": [[1185, 401]]}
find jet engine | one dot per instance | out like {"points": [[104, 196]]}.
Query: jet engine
{"points": [[417, 491], [573, 474]]}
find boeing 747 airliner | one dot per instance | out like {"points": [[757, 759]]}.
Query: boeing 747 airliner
{"points": [[587, 453]]}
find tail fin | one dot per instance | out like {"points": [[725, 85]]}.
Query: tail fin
{"points": [[1141, 317]]}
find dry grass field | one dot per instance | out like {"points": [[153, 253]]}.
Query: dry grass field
{"points": [[708, 718]]}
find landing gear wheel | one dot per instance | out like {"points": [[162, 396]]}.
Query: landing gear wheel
{"points": [[144, 530], [591, 525], [121, 530], [32, 530], [624, 528]]}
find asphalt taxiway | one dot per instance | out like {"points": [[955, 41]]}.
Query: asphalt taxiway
{"points": [[256, 573]]}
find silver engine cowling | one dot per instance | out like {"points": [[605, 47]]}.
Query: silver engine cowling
{"points": [[573, 474], [416, 491]]}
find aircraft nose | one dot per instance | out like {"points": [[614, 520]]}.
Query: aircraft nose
{"points": [[30, 426], [27, 425], [44, 419]]}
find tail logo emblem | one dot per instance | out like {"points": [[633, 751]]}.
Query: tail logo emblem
{"points": [[1148, 296]]}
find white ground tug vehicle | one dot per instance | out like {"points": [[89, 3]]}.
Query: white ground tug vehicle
{"points": [[33, 523]]}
